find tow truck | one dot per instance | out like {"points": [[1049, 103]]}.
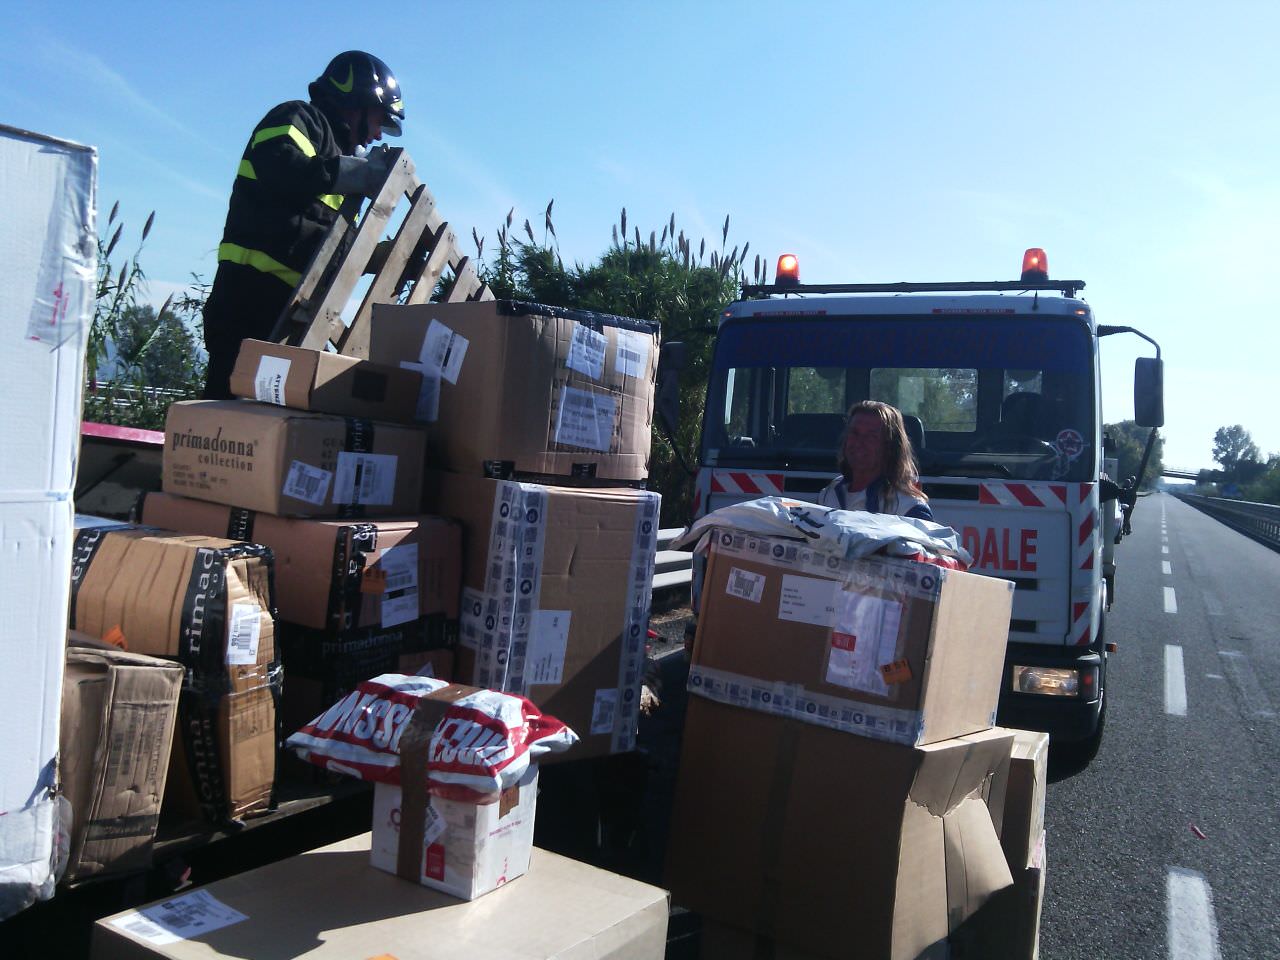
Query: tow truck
{"points": [[999, 383]]}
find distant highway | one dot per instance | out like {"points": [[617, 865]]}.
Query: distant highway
{"points": [[1168, 844]]}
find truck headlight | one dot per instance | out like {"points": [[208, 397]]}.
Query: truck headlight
{"points": [[1047, 681]]}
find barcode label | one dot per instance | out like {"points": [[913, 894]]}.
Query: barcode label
{"points": [[428, 408], [245, 631], [443, 351], [368, 478], [268, 382], [308, 483], [745, 584], [604, 711], [178, 919], [586, 352], [633, 354], [400, 593], [585, 420], [434, 827]]}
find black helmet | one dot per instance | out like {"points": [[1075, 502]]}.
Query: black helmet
{"points": [[359, 79]]}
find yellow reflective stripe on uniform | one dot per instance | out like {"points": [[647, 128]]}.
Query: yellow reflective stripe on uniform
{"points": [[235, 253], [287, 130], [333, 200], [246, 170]]}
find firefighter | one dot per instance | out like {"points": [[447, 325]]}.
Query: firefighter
{"points": [[300, 161], [877, 465]]}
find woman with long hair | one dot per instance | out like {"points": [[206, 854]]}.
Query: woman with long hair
{"points": [[878, 470]]}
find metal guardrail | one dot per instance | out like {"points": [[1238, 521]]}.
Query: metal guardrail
{"points": [[1261, 521]]}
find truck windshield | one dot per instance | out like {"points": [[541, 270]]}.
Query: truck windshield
{"points": [[1000, 397]]}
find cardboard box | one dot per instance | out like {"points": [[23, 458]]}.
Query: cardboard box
{"points": [[1008, 925], [1016, 796], [893, 649], [118, 716], [321, 667], [555, 600], [291, 463], [207, 603], [325, 382], [834, 844], [524, 388], [330, 904], [467, 849], [47, 269], [336, 574]]}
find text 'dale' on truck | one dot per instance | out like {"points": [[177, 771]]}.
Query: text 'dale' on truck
{"points": [[1000, 387]]}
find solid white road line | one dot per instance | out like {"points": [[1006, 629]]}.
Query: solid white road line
{"points": [[1193, 929], [1237, 667], [1165, 568], [1170, 600], [1175, 682]]}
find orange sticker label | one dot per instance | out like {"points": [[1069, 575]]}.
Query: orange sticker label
{"points": [[897, 672], [115, 637], [374, 580]]}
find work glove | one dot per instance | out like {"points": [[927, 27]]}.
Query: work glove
{"points": [[362, 175]]}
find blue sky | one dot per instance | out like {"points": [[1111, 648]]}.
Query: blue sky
{"points": [[1136, 142]]}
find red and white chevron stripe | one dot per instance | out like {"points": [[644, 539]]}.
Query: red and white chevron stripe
{"points": [[997, 493], [747, 482], [1087, 533]]}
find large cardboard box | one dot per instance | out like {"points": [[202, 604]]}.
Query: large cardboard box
{"points": [[290, 462], [466, 849], [47, 267], [330, 904], [336, 574], [555, 600], [325, 382], [527, 388], [207, 603], [1016, 796], [887, 648], [1008, 925], [118, 715], [839, 845]]}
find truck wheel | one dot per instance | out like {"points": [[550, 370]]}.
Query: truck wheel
{"points": [[1082, 752]]}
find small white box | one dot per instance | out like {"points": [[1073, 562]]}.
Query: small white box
{"points": [[469, 849]]}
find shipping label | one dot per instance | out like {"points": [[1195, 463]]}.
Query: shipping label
{"points": [[182, 918], [863, 642], [244, 633], [586, 352], [745, 584], [268, 382], [434, 825], [893, 724], [808, 600], [365, 478], [443, 350], [585, 419], [604, 711], [632, 359], [549, 639], [308, 483], [400, 584]]}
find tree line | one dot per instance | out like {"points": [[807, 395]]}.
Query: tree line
{"points": [[1245, 475]]}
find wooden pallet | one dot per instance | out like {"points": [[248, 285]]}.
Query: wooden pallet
{"points": [[422, 248]]}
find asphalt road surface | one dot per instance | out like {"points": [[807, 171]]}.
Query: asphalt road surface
{"points": [[1168, 844]]}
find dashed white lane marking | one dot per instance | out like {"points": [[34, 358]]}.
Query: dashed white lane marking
{"points": [[1175, 682], [1236, 665], [1165, 568], [1164, 549], [1192, 927], [1170, 600]]}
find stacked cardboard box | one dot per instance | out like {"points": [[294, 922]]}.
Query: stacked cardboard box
{"points": [[837, 750], [356, 598], [538, 417], [205, 602]]}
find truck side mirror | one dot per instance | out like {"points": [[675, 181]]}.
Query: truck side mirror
{"points": [[1148, 392], [671, 361]]}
